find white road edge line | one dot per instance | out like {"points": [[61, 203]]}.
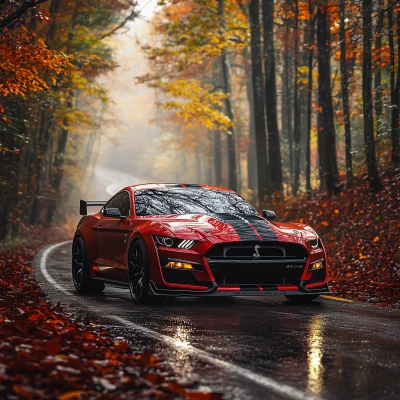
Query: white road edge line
{"points": [[269, 383]]}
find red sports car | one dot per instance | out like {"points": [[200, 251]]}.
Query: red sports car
{"points": [[194, 240]]}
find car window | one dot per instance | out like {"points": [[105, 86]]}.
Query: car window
{"points": [[190, 201], [122, 202]]}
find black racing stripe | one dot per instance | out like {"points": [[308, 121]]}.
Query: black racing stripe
{"points": [[243, 229], [262, 227]]}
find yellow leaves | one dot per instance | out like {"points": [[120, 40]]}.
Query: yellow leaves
{"points": [[361, 256], [197, 104], [303, 70]]}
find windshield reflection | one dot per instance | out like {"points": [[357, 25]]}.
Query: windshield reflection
{"points": [[189, 201]]}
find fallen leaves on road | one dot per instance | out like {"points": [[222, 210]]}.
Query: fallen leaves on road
{"points": [[46, 354]]}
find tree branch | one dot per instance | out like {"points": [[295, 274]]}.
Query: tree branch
{"points": [[19, 11], [133, 14]]}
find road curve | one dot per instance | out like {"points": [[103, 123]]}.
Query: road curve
{"points": [[250, 348], [113, 181]]}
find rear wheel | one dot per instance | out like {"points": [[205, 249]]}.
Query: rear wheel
{"points": [[80, 270], [139, 276], [302, 299]]}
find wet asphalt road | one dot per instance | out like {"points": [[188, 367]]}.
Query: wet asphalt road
{"points": [[251, 348]]}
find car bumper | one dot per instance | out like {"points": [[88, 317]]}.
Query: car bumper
{"points": [[242, 290]]}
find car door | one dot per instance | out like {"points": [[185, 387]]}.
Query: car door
{"points": [[111, 236]]}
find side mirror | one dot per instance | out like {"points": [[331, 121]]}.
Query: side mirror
{"points": [[268, 214], [112, 212]]}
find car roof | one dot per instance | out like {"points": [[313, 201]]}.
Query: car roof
{"points": [[146, 186]]}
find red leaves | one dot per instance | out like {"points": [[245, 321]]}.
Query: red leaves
{"points": [[53, 348], [361, 233], [46, 355]]}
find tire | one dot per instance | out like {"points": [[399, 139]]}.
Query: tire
{"points": [[302, 299], [139, 276], [80, 270]]}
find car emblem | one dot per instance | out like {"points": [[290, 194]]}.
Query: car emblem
{"points": [[256, 254]]}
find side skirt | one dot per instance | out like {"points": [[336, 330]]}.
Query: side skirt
{"points": [[111, 281]]}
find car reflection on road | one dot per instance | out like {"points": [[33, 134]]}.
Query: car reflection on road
{"points": [[315, 353]]}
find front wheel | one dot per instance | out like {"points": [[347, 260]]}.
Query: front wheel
{"points": [[139, 276], [302, 299]]}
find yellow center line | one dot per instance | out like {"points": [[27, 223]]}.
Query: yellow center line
{"points": [[337, 298]]}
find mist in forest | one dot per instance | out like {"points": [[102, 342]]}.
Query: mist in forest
{"points": [[131, 140]]}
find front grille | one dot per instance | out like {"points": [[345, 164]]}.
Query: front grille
{"points": [[250, 251], [267, 250], [269, 263]]}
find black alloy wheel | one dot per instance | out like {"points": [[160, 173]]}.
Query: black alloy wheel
{"points": [[77, 264], [80, 270], [139, 276]]}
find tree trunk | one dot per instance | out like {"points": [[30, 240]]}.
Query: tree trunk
{"points": [[274, 149], [227, 83], [345, 96], [251, 148], [217, 158], [395, 94], [369, 140], [296, 107], [310, 57], [209, 158], [287, 116], [326, 129], [259, 103], [378, 75]]}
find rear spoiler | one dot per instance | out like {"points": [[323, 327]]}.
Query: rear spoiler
{"points": [[85, 204]]}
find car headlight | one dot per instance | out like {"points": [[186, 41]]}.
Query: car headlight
{"points": [[167, 241]]}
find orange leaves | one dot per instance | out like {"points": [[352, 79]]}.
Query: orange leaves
{"points": [[24, 60], [70, 395]]}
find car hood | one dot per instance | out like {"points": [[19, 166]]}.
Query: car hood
{"points": [[232, 227]]}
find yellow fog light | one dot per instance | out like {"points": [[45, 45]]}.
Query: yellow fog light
{"points": [[317, 265], [179, 265]]}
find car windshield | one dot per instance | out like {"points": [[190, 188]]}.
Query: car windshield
{"points": [[189, 201]]}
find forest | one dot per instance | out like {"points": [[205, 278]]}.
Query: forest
{"points": [[274, 99], [287, 96], [293, 104]]}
